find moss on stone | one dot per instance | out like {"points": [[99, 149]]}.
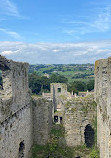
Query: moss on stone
{"points": [[63, 97], [73, 110], [96, 64]]}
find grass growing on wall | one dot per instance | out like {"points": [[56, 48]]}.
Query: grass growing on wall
{"points": [[57, 131], [39, 151], [56, 149], [94, 153]]}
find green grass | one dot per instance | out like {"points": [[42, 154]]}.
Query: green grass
{"points": [[70, 72], [39, 151], [55, 149], [57, 131]]}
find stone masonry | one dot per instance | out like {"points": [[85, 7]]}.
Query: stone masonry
{"points": [[103, 99], [75, 113], [58, 89], [18, 112], [79, 113], [42, 119], [26, 120]]}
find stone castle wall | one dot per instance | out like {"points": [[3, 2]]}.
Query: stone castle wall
{"points": [[58, 89], [42, 120], [18, 113], [79, 112], [15, 109], [103, 99], [25, 121], [15, 87], [15, 129]]}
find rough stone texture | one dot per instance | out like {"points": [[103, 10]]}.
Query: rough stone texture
{"points": [[15, 109], [20, 117], [103, 99], [76, 113], [15, 129], [79, 112], [42, 120], [27, 120], [56, 95], [15, 87]]}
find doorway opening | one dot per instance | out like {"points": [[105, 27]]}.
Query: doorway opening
{"points": [[89, 136]]}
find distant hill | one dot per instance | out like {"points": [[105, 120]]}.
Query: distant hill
{"points": [[73, 72]]}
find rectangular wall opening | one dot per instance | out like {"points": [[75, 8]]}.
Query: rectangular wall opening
{"points": [[59, 90]]}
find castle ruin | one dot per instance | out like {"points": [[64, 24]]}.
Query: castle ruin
{"points": [[26, 120]]}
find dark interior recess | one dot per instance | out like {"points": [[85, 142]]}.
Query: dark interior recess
{"points": [[21, 149], [55, 119], [89, 136]]}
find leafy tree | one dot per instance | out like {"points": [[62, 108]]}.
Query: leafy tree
{"points": [[71, 87], [55, 78], [77, 86], [45, 83], [35, 83], [38, 84], [90, 85]]}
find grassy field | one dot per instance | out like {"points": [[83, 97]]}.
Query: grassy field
{"points": [[73, 72]]}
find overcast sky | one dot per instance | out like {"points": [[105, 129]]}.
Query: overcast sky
{"points": [[55, 31]]}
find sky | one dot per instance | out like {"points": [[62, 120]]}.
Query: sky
{"points": [[55, 31]]}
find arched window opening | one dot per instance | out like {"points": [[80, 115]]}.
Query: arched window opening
{"points": [[89, 136], [21, 149]]}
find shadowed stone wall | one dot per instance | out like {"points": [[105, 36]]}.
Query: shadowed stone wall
{"points": [[42, 119], [103, 99]]}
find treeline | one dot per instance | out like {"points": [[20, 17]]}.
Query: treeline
{"points": [[38, 84], [78, 86], [84, 75]]}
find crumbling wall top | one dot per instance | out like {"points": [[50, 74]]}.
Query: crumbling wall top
{"points": [[15, 86], [4, 63]]}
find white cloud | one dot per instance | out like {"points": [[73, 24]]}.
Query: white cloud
{"points": [[7, 52], [103, 20], [11, 33], [99, 21], [50, 53], [8, 7]]}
